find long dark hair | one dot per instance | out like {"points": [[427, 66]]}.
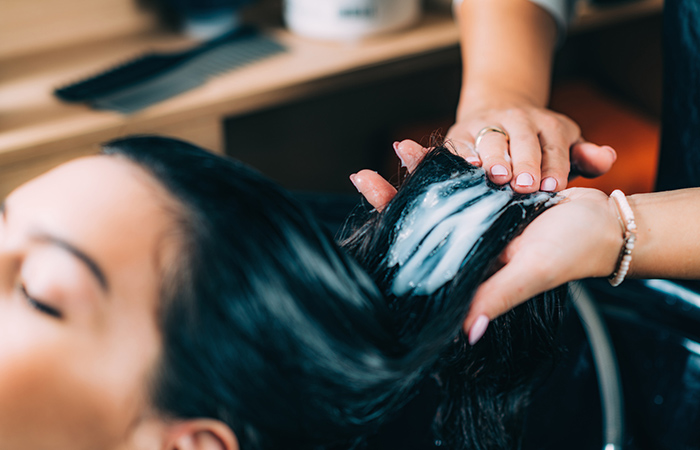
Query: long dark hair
{"points": [[294, 342]]}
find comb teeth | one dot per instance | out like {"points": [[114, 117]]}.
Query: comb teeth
{"points": [[113, 79], [143, 95], [189, 75], [151, 78]]}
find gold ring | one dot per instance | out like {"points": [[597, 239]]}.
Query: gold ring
{"points": [[486, 130]]}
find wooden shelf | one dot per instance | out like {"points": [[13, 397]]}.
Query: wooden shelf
{"points": [[37, 130], [35, 121]]}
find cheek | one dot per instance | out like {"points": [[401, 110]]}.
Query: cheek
{"points": [[53, 394]]}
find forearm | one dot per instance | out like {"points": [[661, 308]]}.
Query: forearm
{"points": [[507, 48], [668, 236]]}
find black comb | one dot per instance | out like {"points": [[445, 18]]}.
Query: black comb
{"points": [[157, 76]]}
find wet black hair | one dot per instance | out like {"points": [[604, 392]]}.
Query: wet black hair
{"points": [[486, 388], [296, 342]]}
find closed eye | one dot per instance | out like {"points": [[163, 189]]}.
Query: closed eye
{"points": [[40, 306]]}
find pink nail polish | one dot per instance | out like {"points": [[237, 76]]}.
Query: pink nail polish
{"points": [[499, 170], [524, 180], [352, 180], [549, 184], [396, 150], [478, 329], [473, 160]]}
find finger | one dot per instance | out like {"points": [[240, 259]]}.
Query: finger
{"points": [[555, 160], [463, 144], [591, 160], [512, 285], [493, 152], [526, 156], [410, 153], [374, 188]]}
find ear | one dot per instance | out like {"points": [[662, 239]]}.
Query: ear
{"points": [[201, 434]]}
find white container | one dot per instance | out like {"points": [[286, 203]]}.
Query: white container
{"points": [[349, 19]]}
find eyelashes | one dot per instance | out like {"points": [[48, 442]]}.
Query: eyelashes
{"points": [[40, 306]]}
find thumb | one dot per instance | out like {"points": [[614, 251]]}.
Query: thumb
{"points": [[373, 187], [519, 280], [590, 160]]}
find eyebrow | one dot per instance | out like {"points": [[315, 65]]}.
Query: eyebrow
{"points": [[82, 256], [70, 248]]}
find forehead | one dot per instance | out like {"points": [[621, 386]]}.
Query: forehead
{"points": [[106, 206], [86, 184]]}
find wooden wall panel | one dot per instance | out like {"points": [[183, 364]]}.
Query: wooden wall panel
{"points": [[30, 26]]}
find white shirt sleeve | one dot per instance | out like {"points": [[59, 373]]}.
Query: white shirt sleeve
{"points": [[561, 10]]}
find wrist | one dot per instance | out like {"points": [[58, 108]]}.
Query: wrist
{"points": [[482, 97], [507, 49], [615, 233], [643, 239], [628, 227]]}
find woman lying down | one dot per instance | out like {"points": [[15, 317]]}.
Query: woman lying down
{"points": [[158, 296]]}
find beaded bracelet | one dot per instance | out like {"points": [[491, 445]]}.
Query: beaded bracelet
{"points": [[629, 234]]}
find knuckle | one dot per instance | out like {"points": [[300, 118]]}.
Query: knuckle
{"points": [[491, 159], [551, 122], [558, 171], [527, 163], [573, 126], [552, 150], [491, 151], [522, 136], [511, 299], [526, 166], [560, 175], [518, 114], [563, 118], [541, 271], [570, 127]]}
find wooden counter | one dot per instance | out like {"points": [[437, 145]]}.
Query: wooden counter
{"points": [[37, 131]]}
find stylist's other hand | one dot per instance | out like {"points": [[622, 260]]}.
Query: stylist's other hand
{"points": [[542, 151], [578, 238]]}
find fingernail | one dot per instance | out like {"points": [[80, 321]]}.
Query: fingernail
{"points": [[396, 150], [549, 184], [473, 160], [611, 150], [354, 183], [478, 329], [524, 179], [498, 170]]}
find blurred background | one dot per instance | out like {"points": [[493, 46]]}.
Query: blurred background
{"points": [[346, 79]]}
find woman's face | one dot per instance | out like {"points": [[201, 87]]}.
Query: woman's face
{"points": [[82, 250]]}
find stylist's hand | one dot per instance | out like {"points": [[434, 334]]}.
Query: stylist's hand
{"points": [[542, 149], [578, 238]]}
